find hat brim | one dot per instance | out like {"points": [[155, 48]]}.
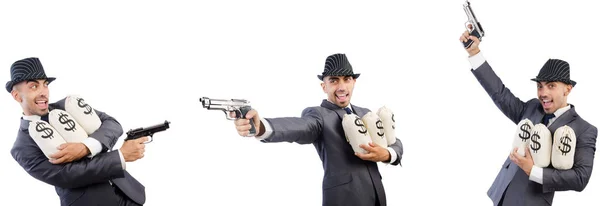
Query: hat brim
{"points": [[355, 76], [566, 81], [10, 84]]}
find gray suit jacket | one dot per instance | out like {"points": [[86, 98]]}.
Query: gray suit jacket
{"points": [[512, 180], [84, 182], [348, 180]]}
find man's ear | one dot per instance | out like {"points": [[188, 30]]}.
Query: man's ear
{"points": [[323, 87], [568, 89], [16, 95]]}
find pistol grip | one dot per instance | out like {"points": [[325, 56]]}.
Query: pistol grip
{"points": [[469, 41], [244, 110]]}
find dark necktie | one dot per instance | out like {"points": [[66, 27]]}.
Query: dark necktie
{"points": [[348, 110], [45, 118], [547, 118]]}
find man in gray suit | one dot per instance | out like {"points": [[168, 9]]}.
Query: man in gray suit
{"points": [[349, 178], [520, 182], [83, 174]]}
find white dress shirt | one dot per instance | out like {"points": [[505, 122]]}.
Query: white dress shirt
{"points": [[537, 173], [92, 144], [269, 131]]}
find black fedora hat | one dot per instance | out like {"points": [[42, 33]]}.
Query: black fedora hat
{"points": [[555, 70], [26, 69], [337, 65]]}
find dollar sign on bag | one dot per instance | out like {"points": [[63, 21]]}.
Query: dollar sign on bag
{"points": [[394, 124], [379, 126], [525, 135], [360, 124], [63, 119], [535, 145], [566, 147], [41, 127], [82, 104]]}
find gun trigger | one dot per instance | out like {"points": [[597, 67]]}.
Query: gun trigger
{"points": [[151, 139]]}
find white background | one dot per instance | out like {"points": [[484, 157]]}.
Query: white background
{"points": [[144, 62]]}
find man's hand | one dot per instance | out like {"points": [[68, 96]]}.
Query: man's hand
{"points": [[69, 152], [376, 153], [243, 125], [133, 150], [474, 48], [525, 163]]}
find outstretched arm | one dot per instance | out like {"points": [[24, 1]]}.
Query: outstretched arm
{"points": [[303, 130]]}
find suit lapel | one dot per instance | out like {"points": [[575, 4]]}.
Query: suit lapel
{"points": [[24, 124], [564, 119], [360, 112], [536, 118], [339, 111]]}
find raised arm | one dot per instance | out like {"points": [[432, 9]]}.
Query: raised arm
{"points": [[504, 99]]}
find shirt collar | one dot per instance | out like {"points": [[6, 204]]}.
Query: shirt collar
{"points": [[31, 117], [349, 106], [561, 111]]}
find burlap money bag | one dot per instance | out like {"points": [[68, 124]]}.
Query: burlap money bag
{"points": [[540, 145], [66, 126], [356, 133], [522, 135], [83, 113], [45, 136], [375, 127], [389, 124], [563, 148]]}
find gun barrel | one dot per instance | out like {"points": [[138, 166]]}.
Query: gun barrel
{"points": [[469, 12], [223, 104], [158, 127], [145, 131]]}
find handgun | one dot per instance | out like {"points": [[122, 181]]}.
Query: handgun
{"points": [[147, 131], [239, 106], [476, 30]]}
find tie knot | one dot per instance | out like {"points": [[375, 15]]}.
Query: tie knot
{"points": [[45, 118], [348, 110], [547, 118]]}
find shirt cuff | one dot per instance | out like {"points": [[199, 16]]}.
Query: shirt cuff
{"points": [[536, 174], [268, 130], [122, 159], [477, 60], [393, 155], [93, 145]]}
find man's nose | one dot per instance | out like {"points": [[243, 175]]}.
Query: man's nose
{"points": [[342, 87], [543, 92], [44, 92]]}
